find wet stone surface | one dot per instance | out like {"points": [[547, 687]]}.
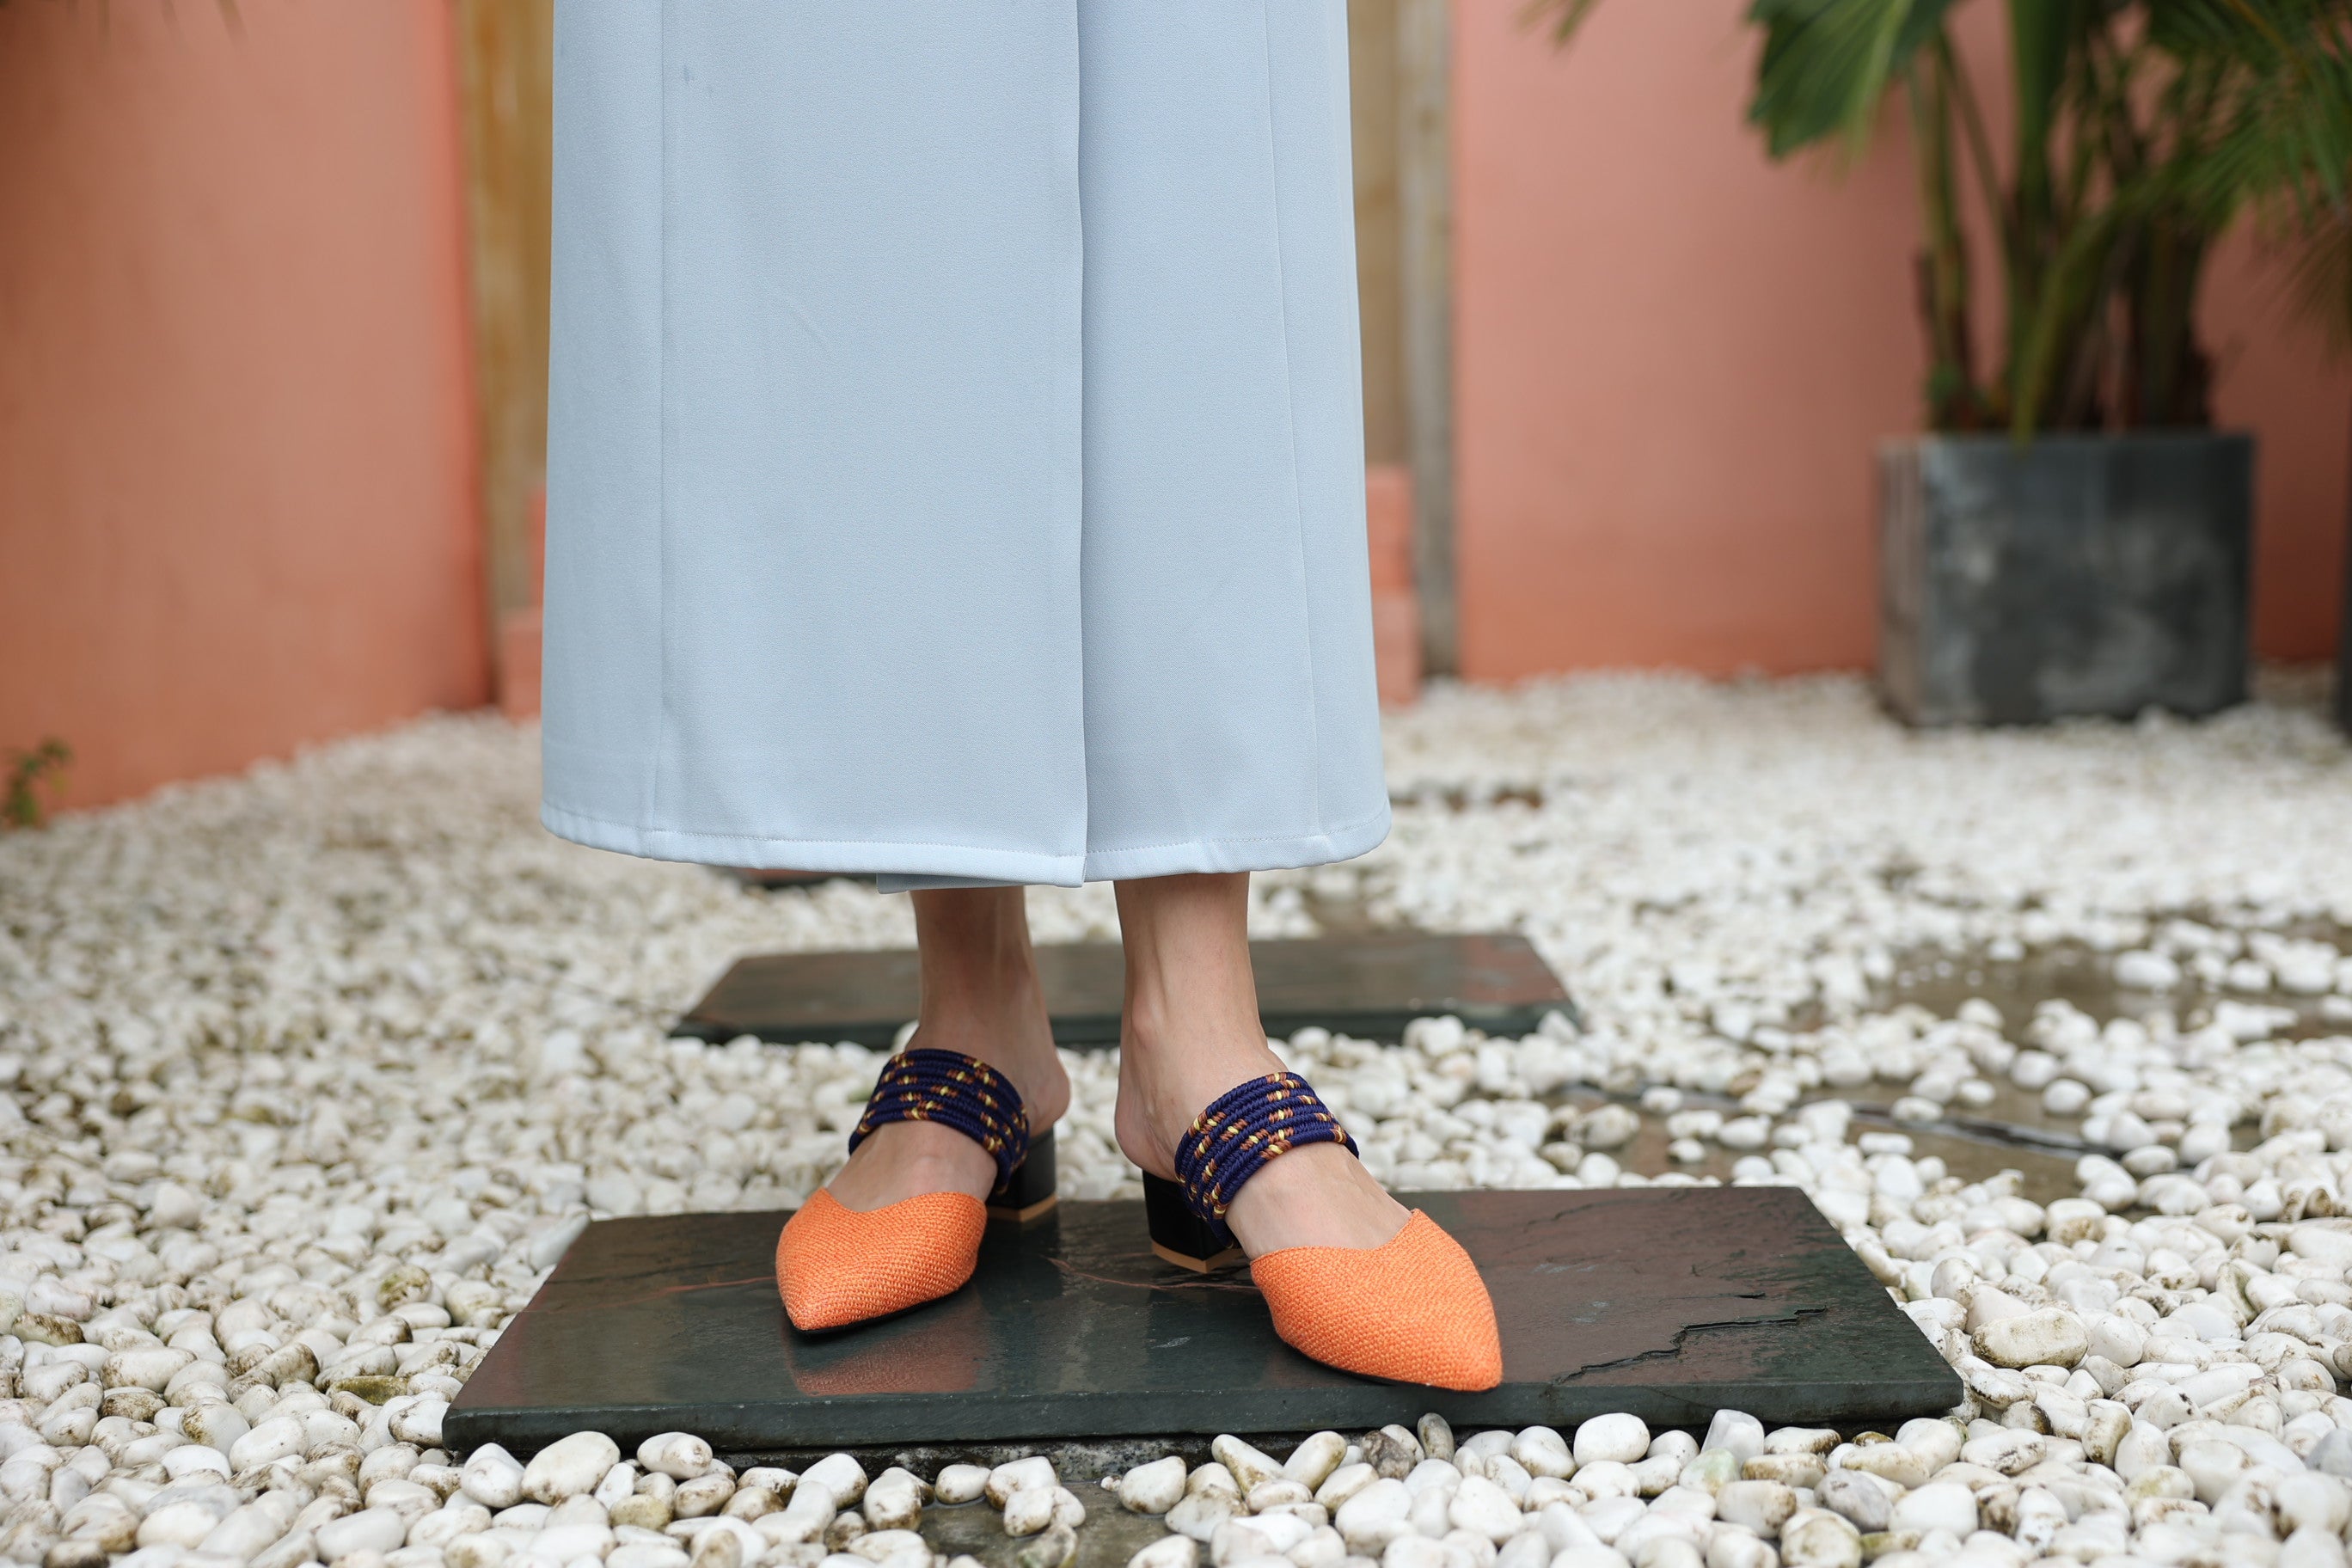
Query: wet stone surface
{"points": [[2045, 1173], [1367, 983], [1668, 1303], [2084, 978]]}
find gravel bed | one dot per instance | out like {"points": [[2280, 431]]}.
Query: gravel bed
{"points": [[313, 1074]]}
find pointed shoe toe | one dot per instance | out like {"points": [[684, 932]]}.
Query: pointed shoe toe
{"points": [[836, 1266], [1411, 1309]]}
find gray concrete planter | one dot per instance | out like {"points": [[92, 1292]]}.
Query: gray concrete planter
{"points": [[2076, 575]]}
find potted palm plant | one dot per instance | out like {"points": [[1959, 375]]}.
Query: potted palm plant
{"points": [[2072, 535]]}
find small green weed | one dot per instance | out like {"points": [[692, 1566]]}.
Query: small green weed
{"points": [[29, 773]]}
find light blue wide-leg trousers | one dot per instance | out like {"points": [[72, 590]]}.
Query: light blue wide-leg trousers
{"points": [[955, 462]]}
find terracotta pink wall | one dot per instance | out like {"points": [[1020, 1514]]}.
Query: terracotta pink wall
{"points": [[2277, 380], [1674, 360], [236, 508]]}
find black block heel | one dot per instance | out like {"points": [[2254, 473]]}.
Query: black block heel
{"points": [[1029, 1195], [1183, 1237]]}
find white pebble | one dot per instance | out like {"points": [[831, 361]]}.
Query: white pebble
{"points": [[966, 1483], [1375, 1516], [1312, 1462], [1249, 1467], [1481, 1507], [1168, 1552], [1620, 1437], [681, 1456], [838, 1476], [568, 1467], [492, 1477], [369, 1529], [1029, 1510], [1201, 1514], [1737, 1432]]}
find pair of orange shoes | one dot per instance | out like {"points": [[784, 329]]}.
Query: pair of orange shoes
{"points": [[1411, 1309]]}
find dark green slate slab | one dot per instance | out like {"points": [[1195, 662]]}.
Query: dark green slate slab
{"points": [[1667, 1302], [1369, 986]]}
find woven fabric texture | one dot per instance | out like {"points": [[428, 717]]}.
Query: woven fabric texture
{"points": [[1244, 1128], [954, 1091], [836, 1267], [1412, 1310]]}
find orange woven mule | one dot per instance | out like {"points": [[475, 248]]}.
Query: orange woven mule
{"points": [[1411, 1309], [837, 1266]]}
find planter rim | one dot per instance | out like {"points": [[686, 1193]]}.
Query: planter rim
{"points": [[2067, 438]]}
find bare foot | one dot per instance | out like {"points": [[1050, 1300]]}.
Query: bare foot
{"points": [[980, 997], [1190, 1032]]}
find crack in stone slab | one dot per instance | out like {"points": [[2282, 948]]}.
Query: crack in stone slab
{"points": [[1793, 1317]]}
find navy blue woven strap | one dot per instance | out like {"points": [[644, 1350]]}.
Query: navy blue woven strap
{"points": [[954, 1091], [1242, 1129]]}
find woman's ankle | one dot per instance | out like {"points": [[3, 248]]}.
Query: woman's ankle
{"points": [[981, 996], [1318, 1194], [1018, 1046], [1170, 1073], [1190, 1029]]}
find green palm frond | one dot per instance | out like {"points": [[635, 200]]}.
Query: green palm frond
{"points": [[2281, 142], [2139, 132], [2287, 125], [1829, 66]]}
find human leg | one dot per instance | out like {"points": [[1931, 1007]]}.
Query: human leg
{"points": [[1190, 1032], [901, 1223], [1349, 1277], [979, 998]]}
